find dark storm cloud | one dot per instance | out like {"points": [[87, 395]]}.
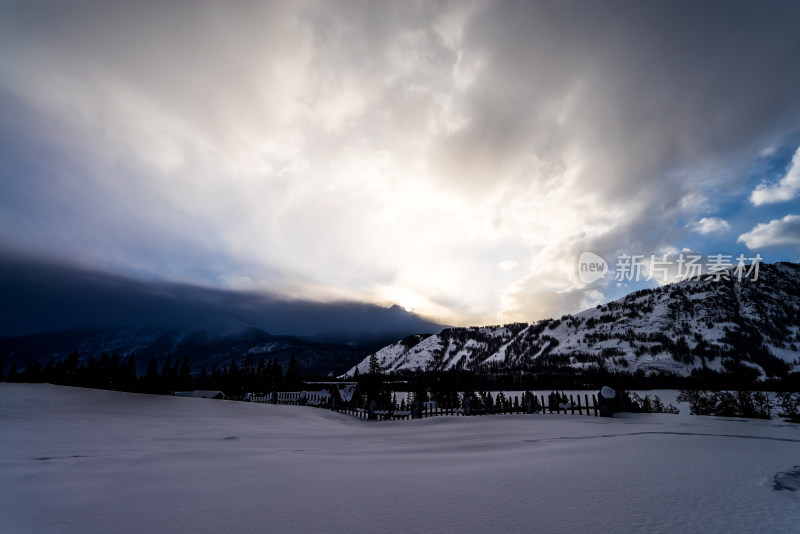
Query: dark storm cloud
{"points": [[38, 295]]}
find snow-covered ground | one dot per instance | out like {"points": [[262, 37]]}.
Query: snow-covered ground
{"points": [[86, 461]]}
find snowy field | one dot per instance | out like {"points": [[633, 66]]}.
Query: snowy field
{"points": [[86, 461]]}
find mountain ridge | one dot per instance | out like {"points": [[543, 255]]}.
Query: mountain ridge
{"points": [[207, 348], [747, 327]]}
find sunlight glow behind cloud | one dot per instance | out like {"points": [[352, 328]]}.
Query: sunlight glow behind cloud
{"points": [[452, 158]]}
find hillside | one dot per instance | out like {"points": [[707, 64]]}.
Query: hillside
{"points": [[205, 347], [748, 327]]}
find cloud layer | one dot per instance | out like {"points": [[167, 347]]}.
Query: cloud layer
{"points": [[785, 189], [453, 158], [42, 297]]}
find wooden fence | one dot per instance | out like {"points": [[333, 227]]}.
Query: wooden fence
{"points": [[536, 405], [574, 406]]}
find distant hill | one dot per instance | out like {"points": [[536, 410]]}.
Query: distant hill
{"points": [[748, 327], [48, 310], [207, 348]]}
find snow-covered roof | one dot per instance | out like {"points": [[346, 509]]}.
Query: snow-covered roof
{"points": [[346, 392], [201, 394]]}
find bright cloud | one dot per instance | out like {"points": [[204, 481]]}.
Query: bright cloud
{"points": [[778, 232], [382, 152], [786, 188], [710, 225]]}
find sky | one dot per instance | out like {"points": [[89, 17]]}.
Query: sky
{"points": [[451, 158]]}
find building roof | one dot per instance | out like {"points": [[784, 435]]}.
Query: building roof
{"points": [[201, 394]]}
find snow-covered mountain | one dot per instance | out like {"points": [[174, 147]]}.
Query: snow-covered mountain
{"points": [[747, 326]]}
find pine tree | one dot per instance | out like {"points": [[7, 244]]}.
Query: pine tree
{"points": [[203, 381], [185, 375], [152, 380], [261, 378], [71, 368], [167, 382], [49, 372], [658, 406], [247, 373], [12, 373], [275, 376], [374, 368], [646, 405], [92, 374], [293, 377], [130, 374], [235, 385]]}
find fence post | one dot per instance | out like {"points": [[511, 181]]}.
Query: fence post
{"points": [[605, 398], [594, 401]]}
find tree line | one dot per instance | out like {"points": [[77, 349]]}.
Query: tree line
{"points": [[175, 374], [251, 375]]}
